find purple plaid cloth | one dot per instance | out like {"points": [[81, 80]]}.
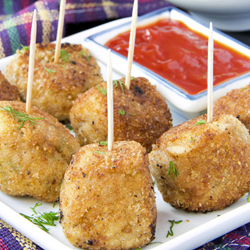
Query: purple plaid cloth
{"points": [[11, 239], [16, 18], [15, 29]]}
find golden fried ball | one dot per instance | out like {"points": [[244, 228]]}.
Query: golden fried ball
{"points": [[34, 157], [107, 198], [140, 113], [236, 103], [212, 163], [8, 92], [55, 85]]}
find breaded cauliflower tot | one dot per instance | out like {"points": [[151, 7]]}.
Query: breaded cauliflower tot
{"points": [[107, 199], [235, 103], [35, 152], [55, 85], [140, 113], [8, 92], [200, 166]]}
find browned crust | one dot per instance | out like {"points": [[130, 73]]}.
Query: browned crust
{"points": [[55, 92], [33, 159], [213, 161], [107, 199], [236, 103], [8, 92], [146, 117]]}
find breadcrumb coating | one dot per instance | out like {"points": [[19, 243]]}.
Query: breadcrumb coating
{"points": [[235, 103], [140, 113], [55, 85], [212, 161], [107, 199], [33, 158], [8, 92]]}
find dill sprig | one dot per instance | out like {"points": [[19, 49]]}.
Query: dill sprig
{"points": [[248, 197], [42, 219], [122, 112], [103, 143], [170, 232], [50, 70], [82, 53], [200, 122], [174, 170], [102, 90], [115, 83], [64, 55], [192, 139], [25, 47], [69, 127], [99, 152], [122, 84], [20, 116]]}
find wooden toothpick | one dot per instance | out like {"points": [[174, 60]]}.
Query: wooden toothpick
{"points": [[59, 30], [210, 74], [110, 104], [31, 63], [131, 43]]}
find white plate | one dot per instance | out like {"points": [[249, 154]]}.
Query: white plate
{"points": [[176, 96], [195, 230]]}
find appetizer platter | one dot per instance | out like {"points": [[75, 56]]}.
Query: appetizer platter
{"points": [[194, 230], [175, 228]]}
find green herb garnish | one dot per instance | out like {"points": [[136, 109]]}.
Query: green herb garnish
{"points": [[103, 143], [174, 170], [99, 152], [64, 55], [20, 116], [200, 122], [25, 47], [170, 232], [50, 70], [46, 218], [102, 90], [115, 83], [192, 139], [248, 197], [83, 55], [122, 112], [69, 127]]}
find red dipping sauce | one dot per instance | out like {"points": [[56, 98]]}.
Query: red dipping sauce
{"points": [[179, 54]]}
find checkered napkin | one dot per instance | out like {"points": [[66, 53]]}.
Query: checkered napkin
{"points": [[16, 17]]}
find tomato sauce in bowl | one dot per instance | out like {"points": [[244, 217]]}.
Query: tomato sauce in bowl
{"points": [[179, 54]]}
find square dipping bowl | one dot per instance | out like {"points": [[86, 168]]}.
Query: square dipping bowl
{"points": [[174, 95]]}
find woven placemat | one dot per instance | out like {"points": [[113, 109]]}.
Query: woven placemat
{"points": [[11, 239]]}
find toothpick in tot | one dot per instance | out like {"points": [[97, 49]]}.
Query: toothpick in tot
{"points": [[59, 31], [210, 74], [31, 63], [110, 104], [131, 43]]}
